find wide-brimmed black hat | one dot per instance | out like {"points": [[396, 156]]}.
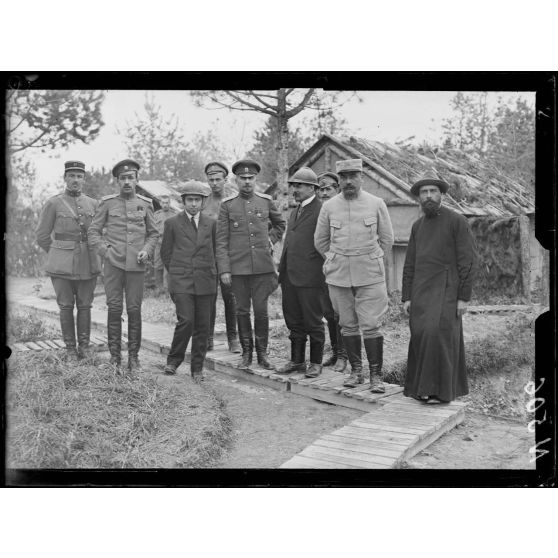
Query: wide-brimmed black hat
{"points": [[430, 177]]}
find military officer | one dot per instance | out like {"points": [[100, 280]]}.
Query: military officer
{"points": [[328, 186], [216, 174], [249, 224], [129, 241], [353, 232], [72, 267], [161, 215]]}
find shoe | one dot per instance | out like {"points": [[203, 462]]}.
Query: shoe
{"points": [[298, 356], [353, 346], [314, 370], [374, 348], [197, 377], [71, 356], [292, 367], [340, 365], [170, 369], [234, 346], [432, 400], [332, 359], [133, 363]]}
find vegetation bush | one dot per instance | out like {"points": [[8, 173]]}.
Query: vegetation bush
{"points": [[28, 326]]}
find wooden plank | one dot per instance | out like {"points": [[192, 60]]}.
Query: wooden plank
{"points": [[251, 378], [373, 442], [51, 344], [330, 397], [21, 347], [362, 460], [357, 447], [414, 421], [60, 343], [382, 422], [401, 399], [388, 427], [430, 410], [380, 433], [43, 345], [303, 462], [33, 346]]}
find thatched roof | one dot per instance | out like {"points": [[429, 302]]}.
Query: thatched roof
{"points": [[477, 187]]}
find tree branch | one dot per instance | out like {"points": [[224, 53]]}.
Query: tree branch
{"points": [[252, 105], [263, 102], [294, 111]]}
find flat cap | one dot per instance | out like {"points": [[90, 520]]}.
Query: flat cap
{"points": [[74, 165], [124, 166], [348, 165], [429, 178], [246, 167], [214, 167], [331, 175], [193, 188]]}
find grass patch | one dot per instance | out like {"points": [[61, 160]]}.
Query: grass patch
{"points": [[22, 327], [85, 416]]}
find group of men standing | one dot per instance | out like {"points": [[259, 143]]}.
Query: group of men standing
{"points": [[332, 266]]}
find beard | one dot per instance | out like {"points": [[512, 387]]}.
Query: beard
{"points": [[350, 193], [430, 208]]}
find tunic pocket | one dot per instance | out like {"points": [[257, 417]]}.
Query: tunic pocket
{"points": [[334, 228], [61, 257], [371, 224]]}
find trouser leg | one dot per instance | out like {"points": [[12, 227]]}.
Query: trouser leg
{"points": [[134, 282], [262, 286], [84, 301], [202, 307], [229, 303], [113, 279], [185, 312], [65, 298], [242, 293]]}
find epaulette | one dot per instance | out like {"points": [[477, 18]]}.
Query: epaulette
{"points": [[262, 195], [145, 198], [235, 195], [109, 197]]}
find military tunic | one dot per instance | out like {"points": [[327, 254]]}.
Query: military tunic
{"points": [[59, 233], [244, 239], [213, 203], [129, 228]]}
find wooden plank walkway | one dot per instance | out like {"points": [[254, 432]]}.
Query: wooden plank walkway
{"points": [[98, 342], [381, 439]]}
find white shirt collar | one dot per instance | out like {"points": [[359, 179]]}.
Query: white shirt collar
{"points": [[307, 201], [196, 217]]}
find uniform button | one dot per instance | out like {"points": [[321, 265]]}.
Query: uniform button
{"points": [[251, 234], [253, 247], [129, 243], [250, 222], [247, 202]]}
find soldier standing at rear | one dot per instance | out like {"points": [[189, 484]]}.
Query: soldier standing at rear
{"points": [[72, 267], [129, 240]]}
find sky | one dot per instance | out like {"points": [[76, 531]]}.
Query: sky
{"points": [[386, 116]]}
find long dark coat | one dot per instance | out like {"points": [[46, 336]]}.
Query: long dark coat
{"points": [[438, 270], [299, 258], [189, 257]]}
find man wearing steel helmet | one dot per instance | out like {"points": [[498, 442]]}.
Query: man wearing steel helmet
{"points": [[437, 285], [248, 226], [353, 232], [302, 279], [128, 241], [216, 173], [328, 186], [71, 265], [188, 253]]}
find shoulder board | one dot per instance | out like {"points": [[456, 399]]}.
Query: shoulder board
{"points": [[230, 197], [109, 197], [145, 198], [262, 195]]}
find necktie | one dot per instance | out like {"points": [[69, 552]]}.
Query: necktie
{"points": [[299, 212], [193, 221]]}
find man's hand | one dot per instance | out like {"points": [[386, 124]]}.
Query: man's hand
{"points": [[143, 256], [226, 279], [461, 307], [407, 307]]}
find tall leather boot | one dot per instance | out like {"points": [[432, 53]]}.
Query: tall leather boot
{"points": [[353, 345], [261, 334], [134, 340], [67, 325], [316, 355], [297, 362], [246, 341], [114, 334], [84, 332], [332, 328], [341, 363], [374, 348]]}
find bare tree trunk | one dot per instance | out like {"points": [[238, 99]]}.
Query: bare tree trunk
{"points": [[282, 142]]}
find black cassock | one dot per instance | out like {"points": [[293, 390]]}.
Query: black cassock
{"points": [[438, 271]]}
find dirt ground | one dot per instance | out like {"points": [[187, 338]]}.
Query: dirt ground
{"points": [[271, 426]]}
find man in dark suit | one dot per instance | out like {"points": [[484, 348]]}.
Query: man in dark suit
{"points": [[188, 254], [301, 278]]}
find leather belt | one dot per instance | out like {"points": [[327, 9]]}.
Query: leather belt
{"points": [[354, 251], [67, 236]]}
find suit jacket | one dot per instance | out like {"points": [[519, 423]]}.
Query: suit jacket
{"points": [[189, 257], [300, 259]]}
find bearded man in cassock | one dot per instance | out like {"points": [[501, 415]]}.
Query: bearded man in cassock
{"points": [[437, 284]]}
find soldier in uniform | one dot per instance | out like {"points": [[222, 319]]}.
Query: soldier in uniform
{"points": [[248, 226], [129, 241], [216, 174], [161, 215], [188, 253], [329, 187], [72, 267], [353, 232]]}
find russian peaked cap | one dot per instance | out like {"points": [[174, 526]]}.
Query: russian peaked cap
{"points": [[331, 175], [246, 167], [124, 166], [214, 167], [429, 178], [348, 165], [74, 165]]}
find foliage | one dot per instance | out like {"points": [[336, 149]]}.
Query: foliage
{"points": [[99, 183], [28, 327], [52, 119], [67, 416], [504, 135]]}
